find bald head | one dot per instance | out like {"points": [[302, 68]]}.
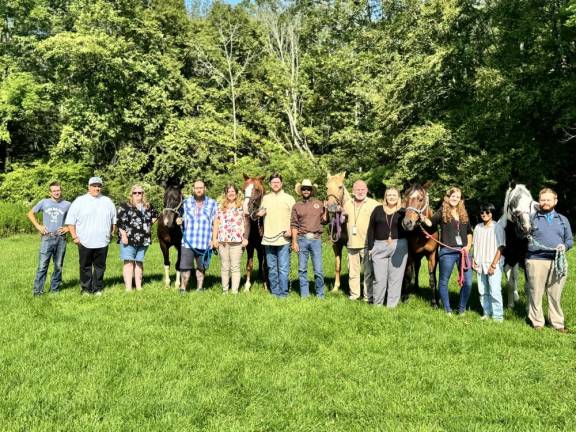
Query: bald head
{"points": [[360, 190]]}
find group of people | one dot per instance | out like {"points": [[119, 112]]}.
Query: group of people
{"points": [[376, 242]]}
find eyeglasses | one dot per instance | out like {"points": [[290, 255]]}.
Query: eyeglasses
{"points": [[137, 193], [485, 212]]}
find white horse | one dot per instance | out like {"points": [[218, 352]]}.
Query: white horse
{"points": [[519, 209]]}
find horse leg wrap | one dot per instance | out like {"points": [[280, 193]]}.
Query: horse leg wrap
{"points": [[177, 282], [166, 276]]}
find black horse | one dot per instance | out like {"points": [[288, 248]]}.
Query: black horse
{"points": [[169, 233]]}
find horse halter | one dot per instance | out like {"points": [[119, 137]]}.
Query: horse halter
{"points": [[423, 209], [332, 207]]}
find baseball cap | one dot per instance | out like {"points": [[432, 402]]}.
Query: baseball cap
{"points": [[95, 180]]}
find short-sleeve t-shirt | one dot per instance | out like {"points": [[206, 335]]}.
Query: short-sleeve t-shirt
{"points": [[53, 213]]}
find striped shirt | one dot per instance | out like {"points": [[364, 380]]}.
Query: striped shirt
{"points": [[197, 223], [487, 240]]}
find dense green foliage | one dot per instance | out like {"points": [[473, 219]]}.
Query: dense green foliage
{"points": [[154, 361], [468, 92]]}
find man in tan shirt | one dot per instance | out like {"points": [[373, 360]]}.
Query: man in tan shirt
{"points": [[357, 212], [276, 210], [308, 216]]}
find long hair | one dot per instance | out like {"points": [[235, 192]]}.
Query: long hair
{"points": [[144, 199], [447, 209], [399, 203], [223, 203]]}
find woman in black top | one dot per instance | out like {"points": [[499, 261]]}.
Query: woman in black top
{"points": [[387, 248], [456, 233], [135, 219]]}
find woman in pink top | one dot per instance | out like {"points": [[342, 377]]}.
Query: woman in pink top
{"points": [[230, 236]]}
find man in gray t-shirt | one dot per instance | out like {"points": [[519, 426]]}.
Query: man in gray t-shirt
{"points": [[53, 232]]}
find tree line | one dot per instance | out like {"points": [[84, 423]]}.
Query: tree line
{"points": [[467, 92]]}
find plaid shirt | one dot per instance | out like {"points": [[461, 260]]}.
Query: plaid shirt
{"points": [[197, 223]]}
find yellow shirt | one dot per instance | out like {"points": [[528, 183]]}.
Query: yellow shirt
{"points": [[358, 216], [278, 211]]}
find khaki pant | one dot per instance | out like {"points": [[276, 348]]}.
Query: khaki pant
{"points": [[230, 257], [357, 258], [542, 278]]}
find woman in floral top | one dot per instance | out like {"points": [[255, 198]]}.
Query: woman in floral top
{"points": [[230, 236], [135, 219]]}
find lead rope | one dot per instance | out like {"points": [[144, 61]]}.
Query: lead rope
{"points": [[560, 262], [464, 257]]}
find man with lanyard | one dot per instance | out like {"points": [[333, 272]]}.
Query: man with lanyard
{"points": [[91, 221], [53, 240], [551, 238], [306, 222], [199, 214], [276, 210], [357, 213]]}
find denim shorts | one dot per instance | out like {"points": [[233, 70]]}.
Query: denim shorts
{"points": [[132, 253]]}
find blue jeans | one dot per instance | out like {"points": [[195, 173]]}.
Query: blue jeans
{"points": [[490, 290], [278, 260], [448, 258], [313, 248], [51, 248]]}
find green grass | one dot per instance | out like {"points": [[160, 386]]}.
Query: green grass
{"points": [[156, 361]]}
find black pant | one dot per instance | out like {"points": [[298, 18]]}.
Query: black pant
{"points": [[92, 267]]}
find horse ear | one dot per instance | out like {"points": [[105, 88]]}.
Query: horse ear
{"points": [[328, 175], [261, 178], [512, 184], [427, 185], [246, 176], [405, 185]]}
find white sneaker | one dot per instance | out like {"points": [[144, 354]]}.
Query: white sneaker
{"points": [[98, 293], [484, 317]]}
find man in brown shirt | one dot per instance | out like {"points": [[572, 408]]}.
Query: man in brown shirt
{"points": [[306, 222]]}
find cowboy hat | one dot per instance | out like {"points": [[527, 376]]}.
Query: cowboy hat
{"points": [[305, 183]]}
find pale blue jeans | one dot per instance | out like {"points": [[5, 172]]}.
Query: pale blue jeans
{"points": [[490, 290]]}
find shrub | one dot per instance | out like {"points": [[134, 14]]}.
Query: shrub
{"points": [[13, 219]]}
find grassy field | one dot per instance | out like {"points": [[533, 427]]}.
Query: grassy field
{"points": [[154, 360]]}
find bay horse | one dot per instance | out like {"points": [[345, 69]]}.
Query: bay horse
{"points": [[422, 242], [169, 233], [253, 194], [517, 213], [336, 196]]}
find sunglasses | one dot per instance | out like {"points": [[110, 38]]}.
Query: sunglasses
{"points": [[485, 212], [137, 193], [306, 188]]}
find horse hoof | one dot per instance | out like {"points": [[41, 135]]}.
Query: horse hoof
{"points": [[434, 306], [335, 289]]}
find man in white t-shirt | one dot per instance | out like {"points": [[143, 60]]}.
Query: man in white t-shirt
{"points": [[91, 220]]}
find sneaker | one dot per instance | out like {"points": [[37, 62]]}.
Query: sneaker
{"points": [[484, 317], [85, 293], [182, 292], [98, 293], [37, 294], [562, 330], [538, 328], [449, 313], [54, 291], [352, 298]]}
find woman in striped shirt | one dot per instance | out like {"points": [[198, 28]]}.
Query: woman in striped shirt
{"points": [[489, 242]]}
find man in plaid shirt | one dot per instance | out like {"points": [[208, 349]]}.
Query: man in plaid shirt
{"points": [[199, 214]]}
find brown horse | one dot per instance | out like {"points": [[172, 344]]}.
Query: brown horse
{"points": [[169, 233], [422, 242], [336, 196], [253, 194]]}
